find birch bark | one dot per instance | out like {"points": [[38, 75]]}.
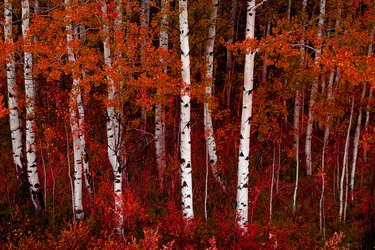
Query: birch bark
{"points": [[14, 115], [314, 89], [75, 122], [113, 129], [355, 145], [159, 111], [31, 166], [209, 131], [246, 115], [185, 123], [345, 166]]}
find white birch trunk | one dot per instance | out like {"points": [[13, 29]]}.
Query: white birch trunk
{"points": [[75, 122], [185, 124], [159, 111], [297, 112], [314, 90], [14, 116], [296, 117], [79, 33], [31, 166], [345, 165], [355, 145], [209, 131], [113, 130], [246, 115], [367, 120]]}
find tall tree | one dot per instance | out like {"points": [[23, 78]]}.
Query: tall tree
{"points": [[185, 123], [76, 120], [159, 110], [297, 108], [246, 115], [208, 126], [314, 89], [30, 91], [113, 126], [14, 115]]}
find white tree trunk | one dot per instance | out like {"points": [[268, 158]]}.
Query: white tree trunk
{"points": [[345, 165], [367, 121], [14, 116], [79, 33], [31, 166], [209, 131], [355, 144], [246, 115], [296, 117], [297, 112], [113, 130], [185, 124], [314, 90], [75, 104], [159, 111], [370, 52]]}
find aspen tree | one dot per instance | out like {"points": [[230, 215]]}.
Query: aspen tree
{"points": [[113, 128], [246, 115], [208, 126], [297, 111], [76, 120], [344, 171], [185, 123], [314, 89], [30, 91], [159, 111], [14, 114]]}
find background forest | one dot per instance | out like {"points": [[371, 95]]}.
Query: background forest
{"points": [[223, 124]]}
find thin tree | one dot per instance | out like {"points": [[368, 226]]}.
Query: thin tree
{"points": [[344, 171], [14, 115], [246, 115], [30, 93], [113, 127], [185, 123], [208, 126], [159, 110], [314, 89], [76, 120]]}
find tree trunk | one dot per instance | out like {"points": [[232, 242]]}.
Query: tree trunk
{"points": [[345, 165], [31, 166], [159, 110], [356, 143], [208, 127], [113, 129], [246, 115], [296, 117], [14, 114], [185, 124], [75, 122]]}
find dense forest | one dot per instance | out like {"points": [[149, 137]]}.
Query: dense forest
{"points": [[190, 124]]}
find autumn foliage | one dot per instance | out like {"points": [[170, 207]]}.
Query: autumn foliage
{"points": [[145, 76]]}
